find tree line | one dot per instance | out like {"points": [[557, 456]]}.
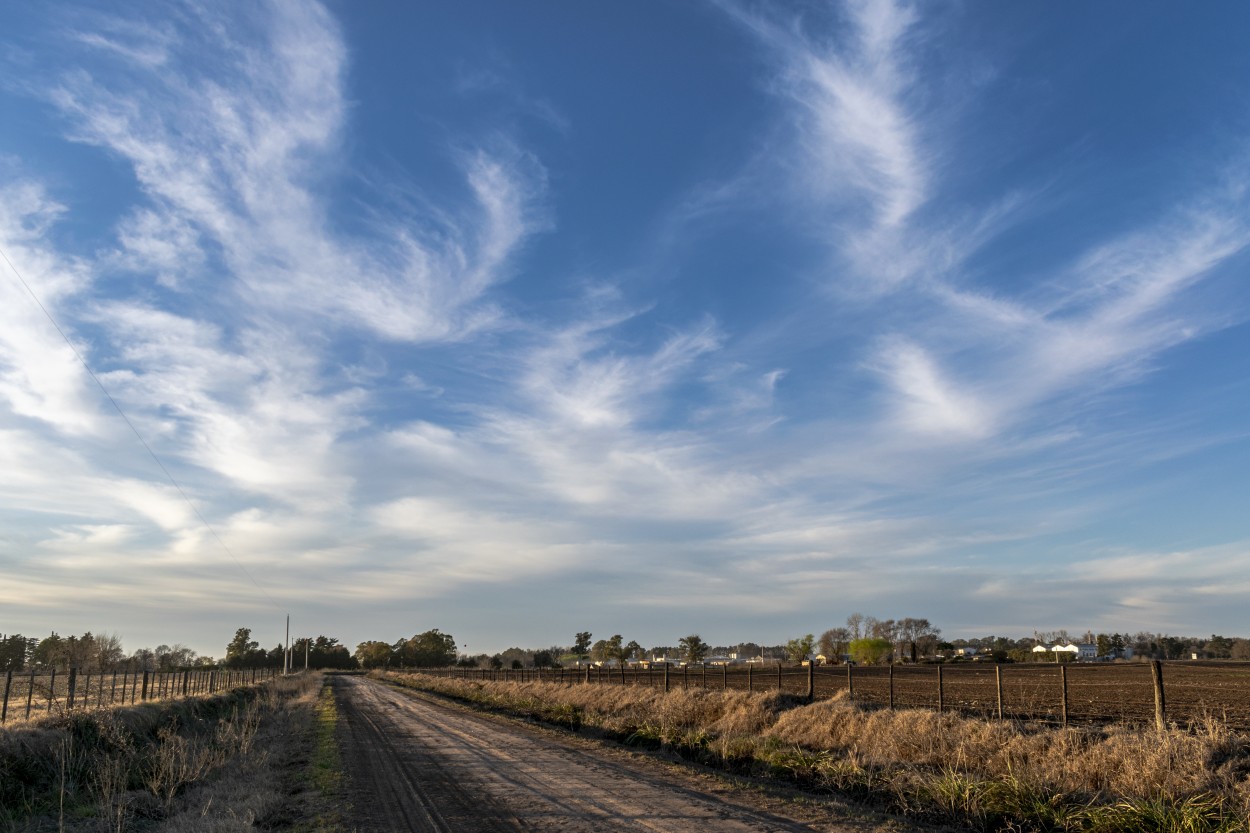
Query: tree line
{"points": [[92, 653], [863, 639]]}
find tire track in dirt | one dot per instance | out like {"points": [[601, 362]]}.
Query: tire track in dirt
{"points": [[415, 764]]}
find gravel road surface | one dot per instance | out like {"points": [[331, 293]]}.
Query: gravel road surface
{"points": [[415, 763]]}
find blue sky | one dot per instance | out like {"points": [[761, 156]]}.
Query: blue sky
{"points": [[517, 320]]}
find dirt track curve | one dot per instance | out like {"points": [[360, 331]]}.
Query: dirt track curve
{"points": [[416, 764]]}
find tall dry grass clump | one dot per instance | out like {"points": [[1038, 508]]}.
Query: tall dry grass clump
{"points": [[987, 775]]}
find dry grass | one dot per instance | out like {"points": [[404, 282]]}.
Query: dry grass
{"points": [[984, 774], [208, 764]]}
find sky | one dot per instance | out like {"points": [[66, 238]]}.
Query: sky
{"points": [[522, 319]]}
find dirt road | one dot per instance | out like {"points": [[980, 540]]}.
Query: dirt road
{"points": [[416, 764]]}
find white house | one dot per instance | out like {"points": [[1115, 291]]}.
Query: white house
{"points": [[1086, 650]]}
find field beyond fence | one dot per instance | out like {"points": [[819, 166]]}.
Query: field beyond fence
{"points": [[1174, 692], [26, 695]]}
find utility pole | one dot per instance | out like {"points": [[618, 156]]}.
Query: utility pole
{"points": [[306, 641], [286, 654]]}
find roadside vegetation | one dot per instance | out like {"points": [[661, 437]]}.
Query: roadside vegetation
{"points": [[228, 762], [987, 776]]}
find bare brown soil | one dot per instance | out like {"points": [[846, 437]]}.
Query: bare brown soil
{"points": [[415, 763]]}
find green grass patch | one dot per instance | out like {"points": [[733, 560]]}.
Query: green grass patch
{"points": [[327, 762]]}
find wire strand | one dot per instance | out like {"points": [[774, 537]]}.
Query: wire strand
{"points": [[135, 430]]}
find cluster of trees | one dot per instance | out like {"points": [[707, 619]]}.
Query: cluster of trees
{"points": [[432, 649], [869, 640], [91, 653], [319, 652], [1163, 646]]}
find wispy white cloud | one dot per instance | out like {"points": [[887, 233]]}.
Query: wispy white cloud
{"points": [[40, 377], [231, 154]]}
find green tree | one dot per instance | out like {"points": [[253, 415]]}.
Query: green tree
{"points": [[496, 662], [374, 654], [432, 649], [800, 649], [322, 652], [633, 650], [1104, 644], [49, 652], [581, 643], [1220, 647], [14, 649], [693, 648], [871, 650], [240, 648]]}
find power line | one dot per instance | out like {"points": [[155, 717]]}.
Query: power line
{"points": [[133, 429]]}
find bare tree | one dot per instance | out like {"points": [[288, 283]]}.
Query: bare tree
{"points": [[833, 643], [108, 651], [855, 624]]}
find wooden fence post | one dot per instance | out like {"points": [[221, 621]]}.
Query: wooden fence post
{"points": [[705, 676], [113, 689], [724, 677], [73, 685], [1161, 713], [891, 685], [941, 692], [850, 682], [811, 680], [8, 683], [750, 681], [779, 676], [998, 680], [666, 677], [1063, 683], [52, 690], [30, 693]]}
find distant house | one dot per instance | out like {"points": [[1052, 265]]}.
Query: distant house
{"points": [[660, 662], [970, 651], [1084, 651]]}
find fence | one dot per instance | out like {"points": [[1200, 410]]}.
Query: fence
{"points": [[1066, 693], [27, 695]]}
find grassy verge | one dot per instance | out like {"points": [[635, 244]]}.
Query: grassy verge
{"points": [[228, 762], [985, 776]]}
